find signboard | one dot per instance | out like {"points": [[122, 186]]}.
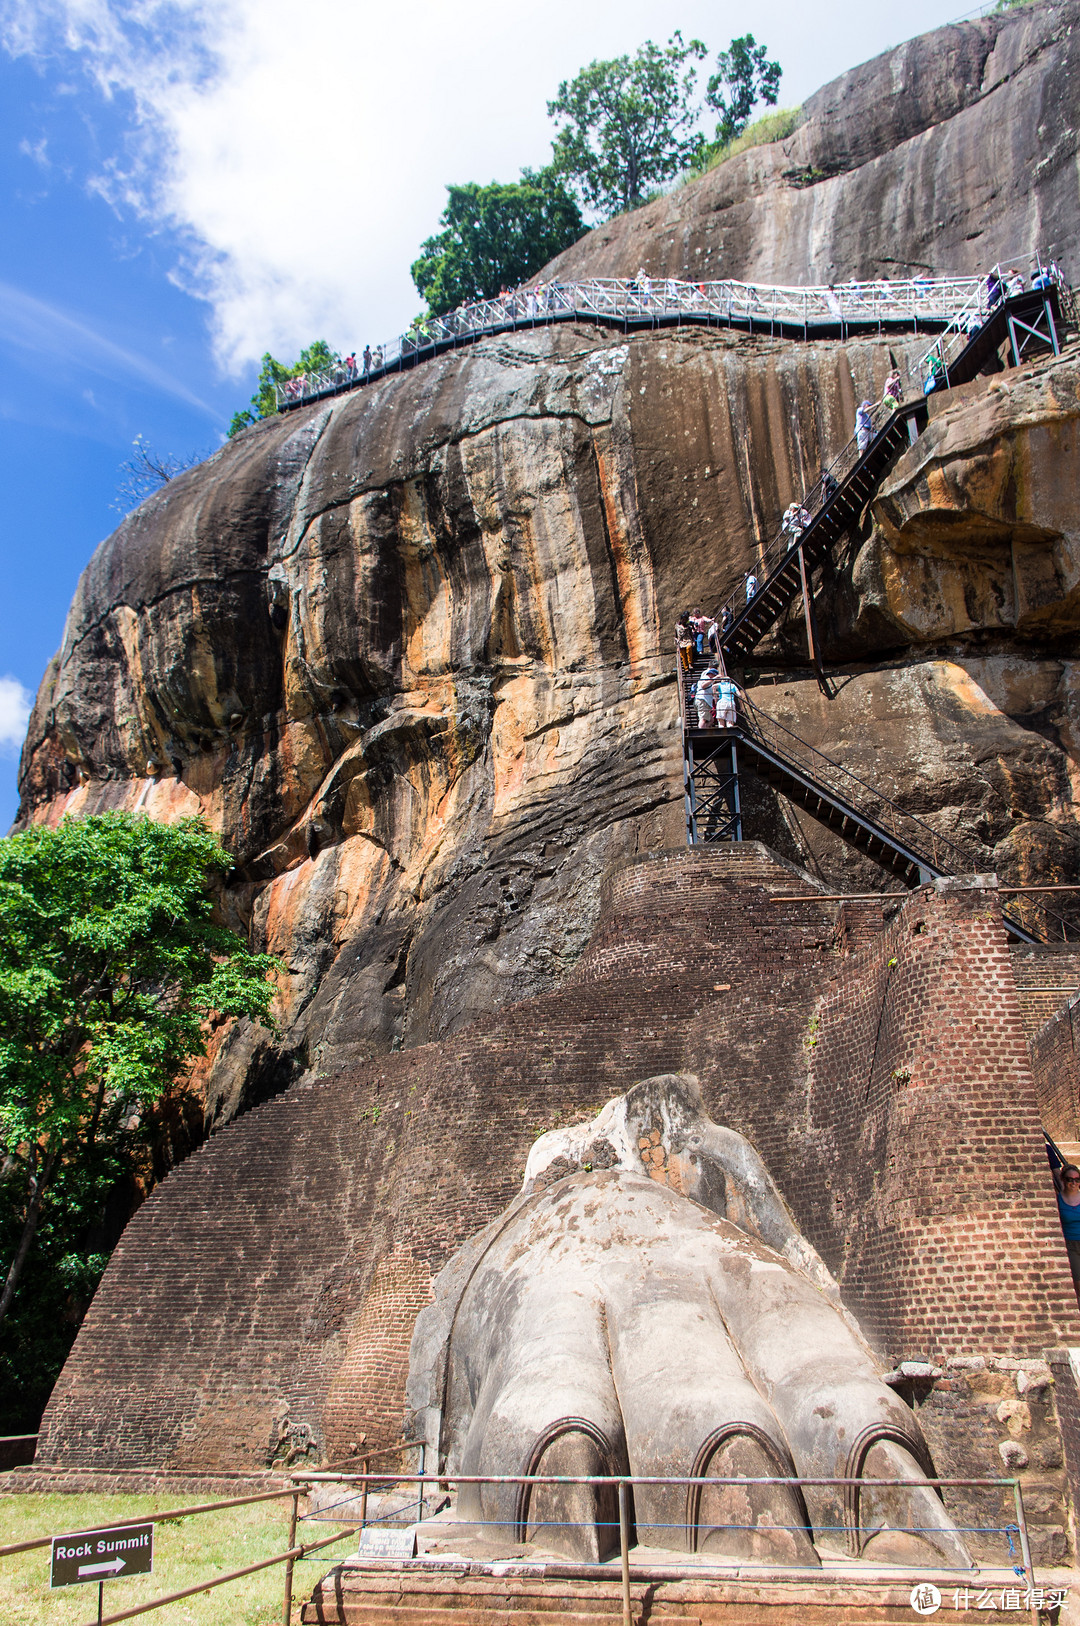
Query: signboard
{"points": [[375, 1543], [102, 1555]]}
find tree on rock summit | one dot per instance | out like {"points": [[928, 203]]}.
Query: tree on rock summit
{"points": [[743, 77], [628, 124], [495, 237]]}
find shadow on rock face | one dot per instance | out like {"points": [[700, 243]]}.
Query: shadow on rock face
{"points": [[647, 1306]]}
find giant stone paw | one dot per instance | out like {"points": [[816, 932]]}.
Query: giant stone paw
{"points": [[647, 1306]]}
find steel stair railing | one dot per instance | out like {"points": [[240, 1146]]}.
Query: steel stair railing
{"points": [[839, 495], [833, 504], [917, 845], [861, 814], [872, 822]]}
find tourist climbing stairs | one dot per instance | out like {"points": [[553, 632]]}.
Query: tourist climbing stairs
{"points": [[1024, 324], [836, 797], [834, 504]]}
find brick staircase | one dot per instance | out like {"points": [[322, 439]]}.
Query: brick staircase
{"points": [[477, 1594]]}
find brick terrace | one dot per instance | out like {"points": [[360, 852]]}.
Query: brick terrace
{"points": [[266, 1292]]}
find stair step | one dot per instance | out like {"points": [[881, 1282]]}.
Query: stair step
{"points": [[366, 1612]]}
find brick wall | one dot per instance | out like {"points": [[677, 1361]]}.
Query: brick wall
{"points": [[1055, 1071], [265, 1293], [939, 1216], [1046, 975]]}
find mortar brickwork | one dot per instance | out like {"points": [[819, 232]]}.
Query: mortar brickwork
{"points": [[268, 1287], [1046, 975], [945, 1227], [1056, 1073]]}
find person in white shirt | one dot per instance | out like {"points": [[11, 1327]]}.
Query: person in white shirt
{"points": [[751, 585], [795, 521], [726, 694], [705, 698]]}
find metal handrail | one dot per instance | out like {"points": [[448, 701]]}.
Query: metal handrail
{"points": [[885, 812], [784, 543], [624, 1483], [966, 322], [290, 1556], [621, 1483], [944, 854], [157, 1518], [929, 300]]}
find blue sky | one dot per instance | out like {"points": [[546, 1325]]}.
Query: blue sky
{"points": [[187, 183]]}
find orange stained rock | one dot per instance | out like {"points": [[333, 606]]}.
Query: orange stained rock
{"points": [[633, 566], [335, 886]]}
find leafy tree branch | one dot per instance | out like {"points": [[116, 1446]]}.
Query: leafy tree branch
{"points": [[627, 124], [743, 77], [495, 237], [317, 358], [111, 967]]}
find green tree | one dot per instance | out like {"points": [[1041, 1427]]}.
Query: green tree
{"points": [[317, 358], [628, 124], [743, 77], [110, 967], [495, 237]]}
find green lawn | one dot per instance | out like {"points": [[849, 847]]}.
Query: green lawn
{"points": [[184, 1553]]}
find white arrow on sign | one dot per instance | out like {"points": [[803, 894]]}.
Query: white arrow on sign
{"points": [[114, 1564]]}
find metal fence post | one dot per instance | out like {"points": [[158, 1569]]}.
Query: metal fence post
{"points": [[1025, 1546], [624, 1553], [365, 1463], [286, 1608]]}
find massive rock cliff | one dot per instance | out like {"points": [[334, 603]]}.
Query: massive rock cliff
{"points": [[951, 152], [410, 651]]}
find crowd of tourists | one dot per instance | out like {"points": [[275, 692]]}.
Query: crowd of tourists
{"points": [[698, 634], [1001, 284], [544, 299]]}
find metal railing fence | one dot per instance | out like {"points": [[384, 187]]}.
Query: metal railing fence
{"points": [[902, 303], [946, 855], [1013, 1530], [966, 322], [1012, 1525], [292, 1555]]}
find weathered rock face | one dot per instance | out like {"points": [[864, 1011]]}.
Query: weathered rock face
{"points": [[467, 707], [949, 153], [409, 651]]}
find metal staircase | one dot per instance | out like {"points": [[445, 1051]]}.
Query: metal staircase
{"points": [[1022, 325], [1026, 322], [835, 503], [861, 815], [903, 844]]}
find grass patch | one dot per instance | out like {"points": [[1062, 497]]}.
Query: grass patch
{"points": [[184, 1553], [774, 126]]}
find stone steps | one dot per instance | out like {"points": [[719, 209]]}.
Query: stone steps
{"points": [[360, 1596]]}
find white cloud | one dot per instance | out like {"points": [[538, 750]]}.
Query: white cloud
{"points": [[15, 703], [302, 151], [36, 150], [72, 344]]}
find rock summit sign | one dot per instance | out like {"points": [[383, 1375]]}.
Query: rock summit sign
{"points": [[102, 1555]]}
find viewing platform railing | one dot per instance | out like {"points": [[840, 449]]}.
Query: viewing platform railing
{"points": [[908, 303], [966, 322]]}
